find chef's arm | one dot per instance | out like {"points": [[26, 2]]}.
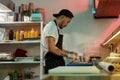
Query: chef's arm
{"points": [[53, 48], [70, 52]]}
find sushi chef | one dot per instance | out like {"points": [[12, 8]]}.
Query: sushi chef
{"points": [[52, 40]]}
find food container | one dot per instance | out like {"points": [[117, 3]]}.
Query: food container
{"points": [[6, 56], [24, 59]]}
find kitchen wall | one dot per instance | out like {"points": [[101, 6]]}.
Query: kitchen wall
{"points": [[84, 34]]}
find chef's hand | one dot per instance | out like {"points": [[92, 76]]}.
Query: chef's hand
{"points": [[73, 55]]}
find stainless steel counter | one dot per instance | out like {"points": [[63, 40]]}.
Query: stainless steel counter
{"points": [[83, 76]]}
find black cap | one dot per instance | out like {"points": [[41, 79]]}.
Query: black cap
{"points": [[64, 12]]}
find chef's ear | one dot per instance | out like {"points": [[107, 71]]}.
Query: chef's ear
{"points": [[63, 17]]}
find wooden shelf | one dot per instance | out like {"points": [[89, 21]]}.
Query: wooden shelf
{"points": [[113, 39]]}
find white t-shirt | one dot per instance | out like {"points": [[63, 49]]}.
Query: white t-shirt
{"points": [[49, 30]]}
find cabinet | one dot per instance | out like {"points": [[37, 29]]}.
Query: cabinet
{"points": [[32, 47]]}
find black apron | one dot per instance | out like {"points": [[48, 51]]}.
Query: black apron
{"points": [[52, 60]]}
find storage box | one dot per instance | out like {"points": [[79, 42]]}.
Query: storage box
{"points": [[24, 59], [2, 34], [3, 16], [6, 16], [36, 17]]}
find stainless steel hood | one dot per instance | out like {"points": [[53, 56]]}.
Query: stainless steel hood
{"points": [[106, 8], [6, 6]]}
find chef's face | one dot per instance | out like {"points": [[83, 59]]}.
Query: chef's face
{"points": [[65, 21]]}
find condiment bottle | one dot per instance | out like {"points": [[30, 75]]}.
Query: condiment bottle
{"points": [[25, 35], [15, 75], [17, 36], [36, 34], [21, 35], [32, 33], [29, 34], [11, 34]]}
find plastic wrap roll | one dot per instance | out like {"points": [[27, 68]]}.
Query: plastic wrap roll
{"points": [[107, 66]]}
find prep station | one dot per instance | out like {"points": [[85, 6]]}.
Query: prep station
{"points": [[107, 69], [77, 73], [98, 70], [94, 68]]}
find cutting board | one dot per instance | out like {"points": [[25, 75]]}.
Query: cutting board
{"points": [[75, 70]]}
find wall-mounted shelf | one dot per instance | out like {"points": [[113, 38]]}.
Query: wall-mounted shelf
{"points": [[18, 42], [113, 40], [14, 62], [20, 23], [31, 45]]}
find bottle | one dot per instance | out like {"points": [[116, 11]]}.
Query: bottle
{"points": [[14, 36], [21, 35], [11, 34], [7, 35], [25, 35], [19, 13], [15, 75], [20, 76], [31, 8], [36, 34], [29, 34], [10, 75], [32, 33], [16, 13], [24, 12], [17, 36]]}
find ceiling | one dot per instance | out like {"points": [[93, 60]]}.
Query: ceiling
{"points": [[106, 8]]}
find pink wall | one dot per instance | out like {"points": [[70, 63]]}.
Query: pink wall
{"points": [[84, 33]]}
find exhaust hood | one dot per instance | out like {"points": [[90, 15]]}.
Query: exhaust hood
{"points": [[6, 6], [106, 8]]}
